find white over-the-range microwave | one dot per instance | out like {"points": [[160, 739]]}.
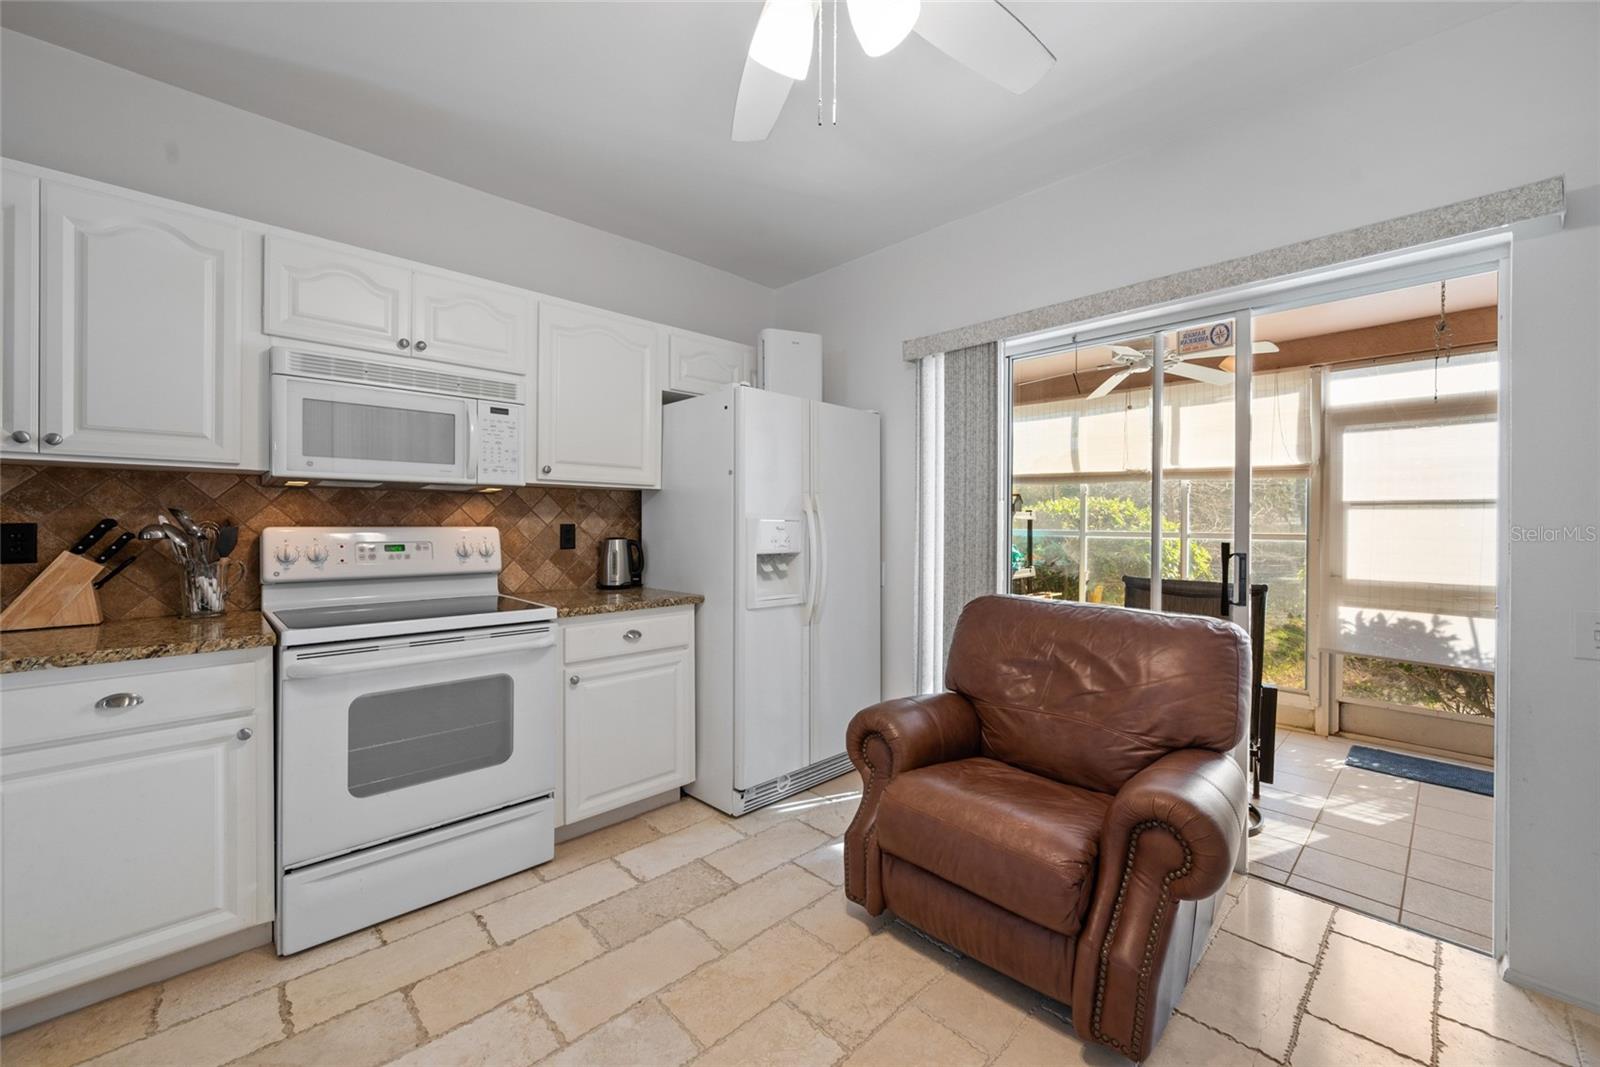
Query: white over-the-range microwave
{"points": [[351, 419]]}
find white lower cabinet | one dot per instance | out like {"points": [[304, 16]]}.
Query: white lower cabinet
{"points": [[629, 715], [137, 814]]}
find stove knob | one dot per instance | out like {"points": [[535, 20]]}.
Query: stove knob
{"points": [[317, 553], [486, 548], [463, 551], [287, 553]]}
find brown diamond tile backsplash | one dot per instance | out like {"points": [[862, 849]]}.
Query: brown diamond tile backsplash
{"points": [[67, 501]]}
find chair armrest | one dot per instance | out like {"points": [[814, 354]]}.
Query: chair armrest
{"points": [[889, 739], [1172, 833]]}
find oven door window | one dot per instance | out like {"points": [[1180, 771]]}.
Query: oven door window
{"points": [[404, 737]]}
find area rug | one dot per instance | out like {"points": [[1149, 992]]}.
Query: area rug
{"points": [[1419, 769]]}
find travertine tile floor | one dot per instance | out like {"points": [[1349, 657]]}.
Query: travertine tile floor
{"points": [[1405, 851], [682, 936]]}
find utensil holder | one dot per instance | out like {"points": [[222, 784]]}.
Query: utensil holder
{"points": [[206, 585]]}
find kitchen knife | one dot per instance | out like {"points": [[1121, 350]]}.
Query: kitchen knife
{"points": [[87, 540], [114, 547], [114, 571]]}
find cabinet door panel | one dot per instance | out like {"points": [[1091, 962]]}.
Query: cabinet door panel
{"points": [[141, 343], [19, 282], [123, 850], [472, 325], [629, 731], [599, 403], [704, 364], [337, 297]]}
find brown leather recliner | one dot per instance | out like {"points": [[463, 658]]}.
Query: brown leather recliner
{"points": [[1069, 813]]}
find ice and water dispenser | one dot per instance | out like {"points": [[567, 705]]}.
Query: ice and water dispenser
{"points": [[777, 559]]}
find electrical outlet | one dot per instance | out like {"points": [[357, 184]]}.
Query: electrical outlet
{"points": [[1588, 635], [569, 535], [19, 542]]}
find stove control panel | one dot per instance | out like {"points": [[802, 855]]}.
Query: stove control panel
{"points": [[337, 553]]}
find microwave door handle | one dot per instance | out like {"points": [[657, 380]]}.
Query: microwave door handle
{"points": [[472, 440], [408, 655]]}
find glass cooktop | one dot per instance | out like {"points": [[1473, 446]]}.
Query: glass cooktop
{"points": [[400, 611]]}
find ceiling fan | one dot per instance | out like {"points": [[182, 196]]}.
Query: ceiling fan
{"points": [[979, 34], [1134, 361]]}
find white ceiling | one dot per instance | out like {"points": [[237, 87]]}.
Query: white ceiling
{"points": [[617, 114]]}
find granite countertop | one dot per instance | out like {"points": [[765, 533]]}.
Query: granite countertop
{"points": [[131, 639], [572, 602]]}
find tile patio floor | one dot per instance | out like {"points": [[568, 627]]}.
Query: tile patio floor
{"points": [[1403, 851], [682, 936]]}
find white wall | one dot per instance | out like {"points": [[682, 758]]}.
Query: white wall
{"points": [[63, 110], [1507, 99]]}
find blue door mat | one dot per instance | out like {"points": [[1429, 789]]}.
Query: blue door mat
{"points": [[1418, 769]]}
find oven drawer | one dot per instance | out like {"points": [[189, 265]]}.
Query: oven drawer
{"points": [[325, 900], [627, 633], [54, 705]]}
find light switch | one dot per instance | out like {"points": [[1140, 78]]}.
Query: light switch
{"points": [[1588, 635]]}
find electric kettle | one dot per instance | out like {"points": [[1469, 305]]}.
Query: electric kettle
{"points": [[621, 563]]}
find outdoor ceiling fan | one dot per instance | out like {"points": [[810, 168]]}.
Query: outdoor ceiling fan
{"points": [[979, 34], [1134, 361]]}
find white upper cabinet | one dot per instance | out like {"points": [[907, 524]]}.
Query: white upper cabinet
{"points": [[700, 364], [599, 400], [471, 323], [319, 293], [141, 330], [19, 285]]}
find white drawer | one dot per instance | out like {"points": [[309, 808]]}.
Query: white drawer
{"points": [[66, 704], [626, 633]]}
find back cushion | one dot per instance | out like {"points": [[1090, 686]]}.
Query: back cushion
{"points": [[1091, 695]]}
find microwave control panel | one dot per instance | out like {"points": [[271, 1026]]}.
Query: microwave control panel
{"points": [[500, 429]]}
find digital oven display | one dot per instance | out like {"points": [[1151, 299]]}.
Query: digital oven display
{"points": [[394, 548]]}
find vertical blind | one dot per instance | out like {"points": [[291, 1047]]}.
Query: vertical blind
{"points": [[971, 550], [1413, 475]]}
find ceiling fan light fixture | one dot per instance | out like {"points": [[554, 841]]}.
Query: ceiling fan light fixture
{"points": [[881, 25], [782, 41]]}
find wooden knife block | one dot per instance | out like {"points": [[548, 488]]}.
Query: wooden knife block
{"points": [[62, 595]]}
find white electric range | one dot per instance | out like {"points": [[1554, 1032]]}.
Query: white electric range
{"points": [[418, 722]]}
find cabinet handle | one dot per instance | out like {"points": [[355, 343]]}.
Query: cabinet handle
{"points": [[632, 635], [21, 437], [52, 439], [545, 469], [573, 681], [245, 733], [403, 343], [422, 346], [118, 701]]}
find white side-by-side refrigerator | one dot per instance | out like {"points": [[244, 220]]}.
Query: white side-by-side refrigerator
{"points": [[769, 507]]}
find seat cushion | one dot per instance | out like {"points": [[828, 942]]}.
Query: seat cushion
{"points": [[1023, 842]]}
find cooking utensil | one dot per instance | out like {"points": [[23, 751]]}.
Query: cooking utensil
{"points": [[227, 540], [87, 541], [190, 527], [127, 561], [114, 547]]}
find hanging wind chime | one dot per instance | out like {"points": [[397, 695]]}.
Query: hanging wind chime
{"points": [[1443, 341]]}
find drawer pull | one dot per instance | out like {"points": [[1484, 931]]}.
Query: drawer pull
{"points": [[118, 701], [632, 635]]}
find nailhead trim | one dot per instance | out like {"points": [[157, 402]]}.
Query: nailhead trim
{"points": [[861, 811], [1146, 965]]}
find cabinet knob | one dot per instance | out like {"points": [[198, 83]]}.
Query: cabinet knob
{"points": [[573, 681], [545, 469], [632, 635], [52, 439], [118, 701], [422, 346], [245, 733], [21, 437], [403, 343]]}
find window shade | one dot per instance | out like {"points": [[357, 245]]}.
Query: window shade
{"points": [[1057, 440]]}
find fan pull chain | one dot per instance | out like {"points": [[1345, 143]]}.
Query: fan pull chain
{"points": [[821, 14], [835, 62]]}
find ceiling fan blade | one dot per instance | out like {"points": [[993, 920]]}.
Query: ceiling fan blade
{"points": [[762, 93], [1210, 375], [1109, 384], [1258, 347], [1124, 350], [987, 38]]}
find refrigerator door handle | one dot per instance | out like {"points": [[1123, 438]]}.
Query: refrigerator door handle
{"points": [[820, 555], [813, 564]]}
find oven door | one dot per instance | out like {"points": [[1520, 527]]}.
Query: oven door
{"points": [[380, 739], [335, 430]]}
